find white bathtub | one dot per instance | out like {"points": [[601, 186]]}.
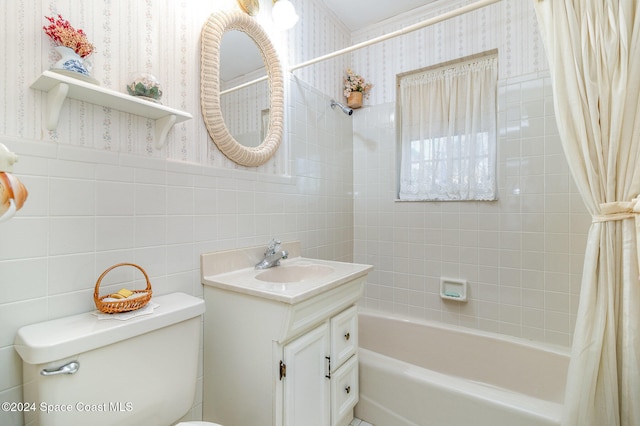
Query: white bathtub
{"points": [[430, 374]]}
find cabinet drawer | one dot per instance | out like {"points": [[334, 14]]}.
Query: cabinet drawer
{"points": [[344, 336], [344, 392]]}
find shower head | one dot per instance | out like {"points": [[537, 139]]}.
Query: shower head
{"points": [[344, 109]]}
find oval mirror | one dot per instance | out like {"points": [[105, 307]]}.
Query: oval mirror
{"points": [[210, 85], [245, 108]]}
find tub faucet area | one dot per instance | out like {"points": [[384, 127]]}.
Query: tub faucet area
{"points": [[272, 255]]}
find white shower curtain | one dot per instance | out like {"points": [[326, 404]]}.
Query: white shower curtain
{"points": [[593, 48]]}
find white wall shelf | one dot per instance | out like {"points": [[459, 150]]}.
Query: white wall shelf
{"points": [[59, 87]]}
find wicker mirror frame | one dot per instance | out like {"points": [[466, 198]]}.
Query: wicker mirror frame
{"points": [[215, 27]]}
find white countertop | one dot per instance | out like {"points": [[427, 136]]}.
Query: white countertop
{"points": [[244, 280]]}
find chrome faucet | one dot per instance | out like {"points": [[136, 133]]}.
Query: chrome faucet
{"points": [[272, 255]]}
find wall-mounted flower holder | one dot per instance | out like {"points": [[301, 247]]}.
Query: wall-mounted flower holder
{"points": [[60, 87], [354, 100], [355, 89]]}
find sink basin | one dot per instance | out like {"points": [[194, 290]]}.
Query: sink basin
{"points": [[295, 280], [293, 273]]}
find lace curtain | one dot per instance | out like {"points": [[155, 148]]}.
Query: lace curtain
{"points": [[448, 132]]}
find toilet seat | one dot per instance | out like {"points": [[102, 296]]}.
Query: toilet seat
{"points": [[197, 423]]}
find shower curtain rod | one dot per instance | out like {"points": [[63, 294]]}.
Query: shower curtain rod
{"points": [[427, 22], [243, 85]]}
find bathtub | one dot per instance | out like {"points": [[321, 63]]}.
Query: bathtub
{"points": [[431, 374]]}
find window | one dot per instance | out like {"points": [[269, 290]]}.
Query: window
{"points": [[447, 127]]}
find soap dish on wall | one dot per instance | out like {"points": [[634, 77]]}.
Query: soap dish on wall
{"points": [[453, 289]]}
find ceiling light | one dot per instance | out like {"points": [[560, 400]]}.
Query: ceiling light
{"points": [[284, 14]]}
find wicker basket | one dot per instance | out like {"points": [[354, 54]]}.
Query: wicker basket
{"points": [[122, 305]]}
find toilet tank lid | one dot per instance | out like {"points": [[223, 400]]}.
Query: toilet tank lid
{"points": [[64, 337]]}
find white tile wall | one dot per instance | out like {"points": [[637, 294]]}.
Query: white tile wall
{"points": [[522, 254], [99, 192], [88, 210], [100, 195]]}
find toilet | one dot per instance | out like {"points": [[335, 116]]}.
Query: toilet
{"points": [[82, 370]]}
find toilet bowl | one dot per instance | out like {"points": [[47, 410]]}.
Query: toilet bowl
{"points": [[92, 371]]}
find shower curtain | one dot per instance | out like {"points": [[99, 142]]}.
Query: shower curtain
{"points": [[593, 47]]}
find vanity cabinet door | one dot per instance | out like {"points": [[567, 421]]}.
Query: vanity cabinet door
{"points": [[306, 386]]}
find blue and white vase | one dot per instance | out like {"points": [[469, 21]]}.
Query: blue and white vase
{"points": [[70, 61]]}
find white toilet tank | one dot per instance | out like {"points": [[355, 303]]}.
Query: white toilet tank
{"points": [[141, 371]]}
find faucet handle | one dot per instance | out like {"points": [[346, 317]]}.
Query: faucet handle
{"points": [[274, 245]]}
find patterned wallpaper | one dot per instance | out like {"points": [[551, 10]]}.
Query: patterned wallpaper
{"points": [[509, 25], [131, 37], [318, 33], [127, 39], [522, 254], [99, 193]]}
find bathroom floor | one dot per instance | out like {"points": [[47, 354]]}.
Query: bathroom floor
{"points": [[358, 422]]}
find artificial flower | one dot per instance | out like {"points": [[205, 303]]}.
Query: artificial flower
{"points": [[355, 83], [63, 34]]}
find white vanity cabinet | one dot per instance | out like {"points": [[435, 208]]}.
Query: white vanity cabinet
{"points": [[272, 363], [320, 373], [280, 344], [280, 353]]}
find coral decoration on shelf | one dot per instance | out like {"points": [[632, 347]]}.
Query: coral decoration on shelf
{"points": [[63, 34]]}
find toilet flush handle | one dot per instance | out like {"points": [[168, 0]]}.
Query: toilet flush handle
{"points": [[69, 368]]}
